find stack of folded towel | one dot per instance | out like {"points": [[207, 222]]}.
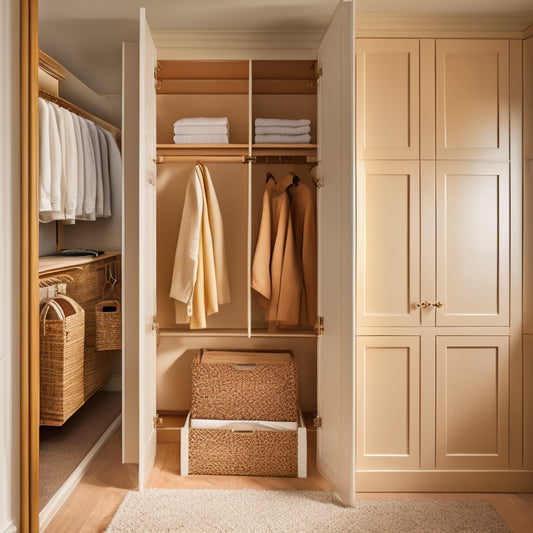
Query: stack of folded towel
{"points": [[201, 130], [274, 130]]}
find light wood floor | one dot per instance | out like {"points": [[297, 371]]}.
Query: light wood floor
{"points": [[93, 503]]}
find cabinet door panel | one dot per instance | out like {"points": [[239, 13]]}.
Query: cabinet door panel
{"points": [[388, 98], [472, 402], [388, 402], [336, 255], [388, 243], [473, 244], [472, 99]]}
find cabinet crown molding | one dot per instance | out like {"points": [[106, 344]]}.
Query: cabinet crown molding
{"points": [[234, 44], [497, 25]]}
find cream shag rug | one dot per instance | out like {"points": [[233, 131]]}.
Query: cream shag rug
{"points": [[291, 511]]}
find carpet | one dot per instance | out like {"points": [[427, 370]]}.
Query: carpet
{"points": [[61, 449], [292, 511]]}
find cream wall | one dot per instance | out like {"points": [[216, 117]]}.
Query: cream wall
{"points": [[9, 266]]}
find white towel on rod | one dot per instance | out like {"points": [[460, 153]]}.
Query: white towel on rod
{"points": [[192, 121], [287, 139], [71, 166], [88, 211], [282, 122], [45, 155], [93, 133], [81, 165], [104, 164], [115, 164], [58, 189]]}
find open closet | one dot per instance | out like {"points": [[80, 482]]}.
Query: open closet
{"points": [[80, 325], [311, 83]]}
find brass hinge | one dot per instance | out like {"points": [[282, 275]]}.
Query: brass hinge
{"points": [[319, 325], [318, 71], [158, 420], [155, 326], [317, 421]]}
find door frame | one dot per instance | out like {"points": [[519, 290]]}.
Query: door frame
{"points": [[29, 268]]}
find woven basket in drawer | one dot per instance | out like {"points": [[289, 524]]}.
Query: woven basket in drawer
{"points": [[62, 335], [108, 325], [233, 385], [233, 453]]}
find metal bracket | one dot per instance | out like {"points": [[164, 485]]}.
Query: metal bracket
{"points": [[158, 420], [319, 325], [317, 422]]}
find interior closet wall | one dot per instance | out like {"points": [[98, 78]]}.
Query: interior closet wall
{"points": [[280, 89]]}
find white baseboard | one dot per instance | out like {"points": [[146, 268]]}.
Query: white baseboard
{"points": [[60, 497], [10, 528]]}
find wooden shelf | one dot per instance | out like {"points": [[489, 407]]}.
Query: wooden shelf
{"points": [[49, 264], [184, 332], [237, 149]]}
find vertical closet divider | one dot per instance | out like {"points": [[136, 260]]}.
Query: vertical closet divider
{"points": [[249, 230]]}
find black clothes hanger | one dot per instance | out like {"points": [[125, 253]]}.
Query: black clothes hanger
{"points": [[270, 176], [295, 179]]}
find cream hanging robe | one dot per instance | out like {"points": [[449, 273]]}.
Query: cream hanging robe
{"points": [[200, 279]]}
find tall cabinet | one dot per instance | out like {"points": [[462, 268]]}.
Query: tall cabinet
{"points": [[439, 362], [258, 78]]}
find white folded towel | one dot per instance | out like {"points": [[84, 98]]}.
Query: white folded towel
{"points": [[200, 139], [282, 122], [202, 121], [201, 129], [283, 138], [282, 130]]}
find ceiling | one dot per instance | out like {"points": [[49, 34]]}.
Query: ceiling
{"points": [[86, 37]]}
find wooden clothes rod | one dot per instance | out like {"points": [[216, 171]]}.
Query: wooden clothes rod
{"points": [[201, 159], [81, 112]]}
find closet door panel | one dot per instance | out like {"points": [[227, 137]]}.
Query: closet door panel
{"points": [[336, 267], [472, 244], [147, 251], [388, 98], [472, 402], [472, 99], [389, 243], [388, 402]]}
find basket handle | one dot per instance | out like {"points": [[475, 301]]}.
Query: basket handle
{"points": [[72, 304], [50, 304]]}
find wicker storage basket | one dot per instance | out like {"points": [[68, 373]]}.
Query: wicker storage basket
{"points": [[62, 335], [108, 325], [243, 453], [233, 385]]}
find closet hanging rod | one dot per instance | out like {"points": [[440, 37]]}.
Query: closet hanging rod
{"points": [[203, 158], [81, 112], [281, 159]]}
